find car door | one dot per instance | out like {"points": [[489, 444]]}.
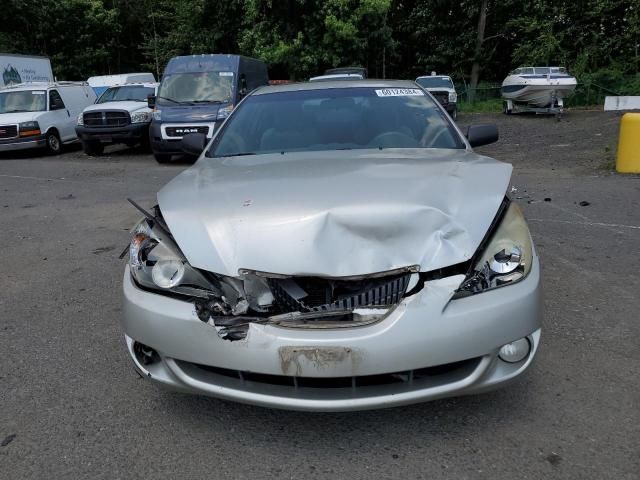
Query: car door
{"points": [[61, 117]]}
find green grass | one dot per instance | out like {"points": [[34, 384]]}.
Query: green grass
{"points": [[493, 105]]}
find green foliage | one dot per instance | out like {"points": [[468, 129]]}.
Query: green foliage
{"points": [[598, 40]]}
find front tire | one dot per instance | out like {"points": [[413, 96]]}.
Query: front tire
{"points": [[454, 114], [53, 143], [92, 148], [162, 157]]}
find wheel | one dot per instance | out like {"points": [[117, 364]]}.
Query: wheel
{"points": [[92, 148], [505, 108], [145, 144], [454, 114], [162, 157], [53, 144]]}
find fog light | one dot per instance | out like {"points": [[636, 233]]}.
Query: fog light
{"points": [[515, 351]]}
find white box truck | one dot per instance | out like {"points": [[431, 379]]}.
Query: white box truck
{"points": [[24, 69]]}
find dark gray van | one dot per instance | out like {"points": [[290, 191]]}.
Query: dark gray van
{"points": [[196, 95]]}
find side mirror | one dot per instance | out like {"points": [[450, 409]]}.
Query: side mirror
{"points": [[193, 143], [243, 86], [151, 101], [478, 135]]}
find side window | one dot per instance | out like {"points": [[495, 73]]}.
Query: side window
{"points": [[55, 101]]}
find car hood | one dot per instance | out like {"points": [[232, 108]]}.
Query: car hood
{"points": [[190, 113], [129, 106], [338, 213], [18, 117]]}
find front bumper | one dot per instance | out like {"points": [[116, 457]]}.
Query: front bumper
{"points": [[434, 348], [132, 132], [25, 143], [162, 144]]}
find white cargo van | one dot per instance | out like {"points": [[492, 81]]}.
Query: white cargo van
{"points": [[36, 115]]}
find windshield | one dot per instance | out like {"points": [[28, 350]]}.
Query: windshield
{"points": [[196, 87], [435, 82], [336, 119], [23, 101], [137, 93]]}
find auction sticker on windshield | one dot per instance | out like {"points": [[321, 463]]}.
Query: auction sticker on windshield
{"points": [[399, 92]]}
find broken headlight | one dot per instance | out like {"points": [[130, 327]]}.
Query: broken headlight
{"points": [[506, 259], [157, 263]]}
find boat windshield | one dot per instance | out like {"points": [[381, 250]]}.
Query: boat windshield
{"points": [[538, 70]]}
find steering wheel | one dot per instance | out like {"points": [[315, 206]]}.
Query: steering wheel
{"points": [[234, 142], [432, 136], [396, 139]]}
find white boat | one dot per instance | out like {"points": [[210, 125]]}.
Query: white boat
{"points": [[538, 87]]}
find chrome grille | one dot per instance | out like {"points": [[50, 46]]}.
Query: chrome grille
{"points": [[8, 131], [180, 131], [106, 119], [442, 97]]}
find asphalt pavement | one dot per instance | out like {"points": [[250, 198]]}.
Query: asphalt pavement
{"points": [[71, 406]]}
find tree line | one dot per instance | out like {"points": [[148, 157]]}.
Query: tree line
{"points": [[470, 39]]}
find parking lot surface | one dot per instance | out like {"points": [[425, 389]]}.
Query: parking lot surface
{"points": [[71, 405]]}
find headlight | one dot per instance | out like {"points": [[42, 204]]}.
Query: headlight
{"points": [[80, 120], [453, 97], [157, 115], [156, 263], [506, 259], [140, 117], [224, 112], [29, 129]]}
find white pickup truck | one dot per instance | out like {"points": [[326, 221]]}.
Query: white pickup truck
{"points": [[120, 115]]}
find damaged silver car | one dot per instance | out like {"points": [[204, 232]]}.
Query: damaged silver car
{"points": [[337, 246]]}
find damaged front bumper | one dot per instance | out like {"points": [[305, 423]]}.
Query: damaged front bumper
{"points": [[427, 347]]}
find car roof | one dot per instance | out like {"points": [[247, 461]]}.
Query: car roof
{"points": [[136, 84], [303, 86]]}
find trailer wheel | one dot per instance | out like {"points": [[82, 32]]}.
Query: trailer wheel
{"points": [[505, 108]]}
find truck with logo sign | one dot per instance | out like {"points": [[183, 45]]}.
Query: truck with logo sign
{"points": [[16, 69]]}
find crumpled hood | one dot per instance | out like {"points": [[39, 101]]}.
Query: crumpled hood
{"points": [[190, 113], [338, 213], [129, 106]]}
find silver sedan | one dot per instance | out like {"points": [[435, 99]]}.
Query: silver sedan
{"points": [[337, 246]]}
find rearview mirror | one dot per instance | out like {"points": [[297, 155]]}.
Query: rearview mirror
{"points": [[478, 135], [151, 101], [193, 143]]}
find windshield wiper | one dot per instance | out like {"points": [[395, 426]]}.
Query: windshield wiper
{"points": [[207, 101], [241, 154], [173, 101]]}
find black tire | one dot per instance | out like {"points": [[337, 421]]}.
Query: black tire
{"points": [[505, 108], [162, 157], [53, 143], [145, 144], [92, 148], [454, 114]]}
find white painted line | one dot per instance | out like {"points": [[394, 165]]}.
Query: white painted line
{"points": [[588, 224]]}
